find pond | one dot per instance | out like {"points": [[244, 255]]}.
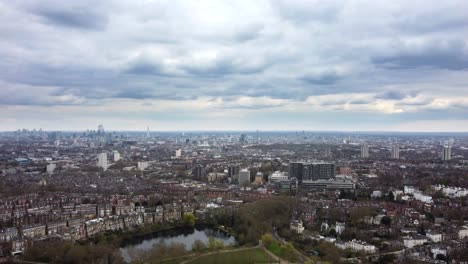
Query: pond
{"points": [[184, 235]]}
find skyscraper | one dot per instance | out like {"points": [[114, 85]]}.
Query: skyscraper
{"points": [[100, 129], [178, 153], [395, 152], [233, 170], [244, 177], [447, 152], [199, 172], [148, 135], [364, 151], [102, 160], [327, 153], [116, 155]]}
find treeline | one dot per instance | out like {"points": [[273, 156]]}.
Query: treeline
{"points": [[67, 252], [255, 219]]}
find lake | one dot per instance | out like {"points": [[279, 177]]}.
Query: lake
{"points": [[184, 235]]}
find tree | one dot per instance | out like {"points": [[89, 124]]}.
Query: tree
{"points": [[329, 252], [287, 251], [198, 246], [441, 257], [257, 218], [267, 239], [390, 196], [189, 219], [359, 213], [215, 243], [211, 243], [219, 244], [386, 220]]}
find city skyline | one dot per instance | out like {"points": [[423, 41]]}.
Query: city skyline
{"points": [[267, 65]]}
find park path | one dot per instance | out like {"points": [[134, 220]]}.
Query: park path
{"points": [[276, 258], [221, 251]]}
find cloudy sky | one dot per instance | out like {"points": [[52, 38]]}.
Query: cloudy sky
{"points": [[234, 65]]}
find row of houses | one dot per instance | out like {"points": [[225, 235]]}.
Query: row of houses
{"points": [[80, 228]]}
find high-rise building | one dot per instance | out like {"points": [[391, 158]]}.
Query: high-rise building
{"points": [[233, 170], [178, 153], [51, 168], [318, 171], [364, 151], [243, 138], [148, 135], [395, 152], [244, 177], [311, 171], [102, 160], [447, 152], [295, 170], [199, 172], [116, 156], [100, 129], [327, 153]]}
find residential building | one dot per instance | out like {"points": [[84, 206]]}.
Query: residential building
{"points": [[102, 160], [244, 177], [395, 152], [365, 151]]}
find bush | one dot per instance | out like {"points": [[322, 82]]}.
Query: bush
{"points": [[198, 246]]}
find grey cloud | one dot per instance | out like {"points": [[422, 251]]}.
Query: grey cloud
{"points": [[360, 102], [325, 78], [392, 95], [305, 11], [223, 67], [431, 21], [248, 33], [449, 55], [145, 68], [82, 17]]}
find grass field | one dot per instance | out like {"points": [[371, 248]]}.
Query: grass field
{"points": [[256, 255]]}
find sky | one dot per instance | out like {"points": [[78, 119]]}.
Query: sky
{"points": [[234, 65]]}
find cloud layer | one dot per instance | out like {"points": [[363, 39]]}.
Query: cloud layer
{"points": [[321, 65]]}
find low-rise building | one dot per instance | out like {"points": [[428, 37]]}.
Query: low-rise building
{"points": [[296, 226], [413, 241]]}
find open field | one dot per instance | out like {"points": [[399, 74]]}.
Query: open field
{"points": [[256, 255]]}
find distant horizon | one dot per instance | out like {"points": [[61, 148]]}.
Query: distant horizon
{"points": [[249, 131]]}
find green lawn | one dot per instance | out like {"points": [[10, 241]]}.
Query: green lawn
{"points": [[247, 256]]}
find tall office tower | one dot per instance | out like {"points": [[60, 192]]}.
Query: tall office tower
{"points": [[116, 156], [244, 177], [318, 171], [178, 153], [199, 173], [100, 129], [148, 135], [295, 170], [243, 138], [447, 152], [364, 151], [102, 160], [395, 152], [327, 153], [233, 170]]}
